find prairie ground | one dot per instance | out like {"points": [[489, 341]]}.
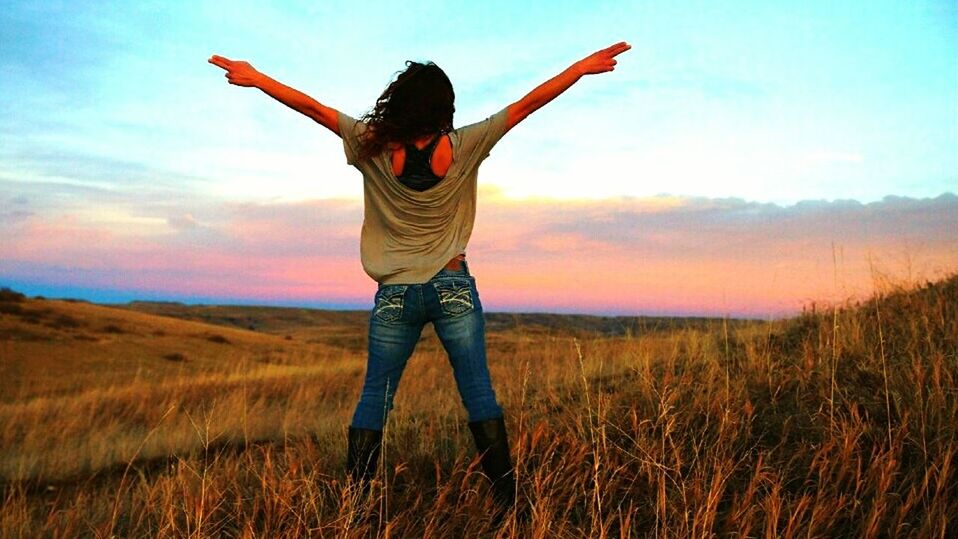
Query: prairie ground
{"points": [[162, 420]]}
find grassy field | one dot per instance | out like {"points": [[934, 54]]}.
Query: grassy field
{"points": [[164, 420]]}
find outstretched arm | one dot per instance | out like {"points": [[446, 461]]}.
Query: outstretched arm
{"points": [[598, 62], [242, 73]]}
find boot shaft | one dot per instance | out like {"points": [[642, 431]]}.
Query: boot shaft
{"points": [[492, 442], [362, 453]]}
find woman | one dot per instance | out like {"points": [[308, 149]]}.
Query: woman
{"points": [[419, 178]]}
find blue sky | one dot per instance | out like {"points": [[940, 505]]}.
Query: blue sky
{"points": [[764, 101], [130, 168]]}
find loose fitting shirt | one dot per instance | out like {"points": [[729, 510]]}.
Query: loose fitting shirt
{"points": [[409, 235]]}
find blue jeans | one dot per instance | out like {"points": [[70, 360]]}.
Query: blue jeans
{"points": [[450, 301]]}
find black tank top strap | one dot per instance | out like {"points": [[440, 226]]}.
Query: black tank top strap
{"points": [[417, 171], [428, 148]]}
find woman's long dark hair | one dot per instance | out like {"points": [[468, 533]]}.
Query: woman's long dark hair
{"points": [[419, 102]]}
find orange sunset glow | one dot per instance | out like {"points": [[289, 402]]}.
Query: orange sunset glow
{"points": [[663, 255], [718, 170]]}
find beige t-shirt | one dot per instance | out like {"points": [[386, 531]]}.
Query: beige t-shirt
{"points": [[409, 235]]}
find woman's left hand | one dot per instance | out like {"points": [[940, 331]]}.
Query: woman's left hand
{"points": [[238, 72], [602, 61]]}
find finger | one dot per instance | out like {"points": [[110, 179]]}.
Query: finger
{"points": [[219, 62], [222, 61], [614, 46], [619, 49]]}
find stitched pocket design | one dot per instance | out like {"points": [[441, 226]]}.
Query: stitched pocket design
{"points": [[455, 295], [389, 300]]}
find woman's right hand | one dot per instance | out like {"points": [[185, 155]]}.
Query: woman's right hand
{"points": [[238, 72], [601, 61]]}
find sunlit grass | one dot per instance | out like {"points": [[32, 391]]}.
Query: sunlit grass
{"points": [[840, 422]]}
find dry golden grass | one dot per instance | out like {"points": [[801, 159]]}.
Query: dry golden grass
{"points": [[840, 422]]}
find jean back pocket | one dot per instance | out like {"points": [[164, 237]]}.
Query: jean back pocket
{"points": [[455, 295], [389, 302]]}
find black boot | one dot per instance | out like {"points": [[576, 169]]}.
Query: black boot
{"points": [[362, 455], [493, 446]]}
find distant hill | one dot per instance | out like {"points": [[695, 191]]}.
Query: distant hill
{"points": [[286, 320], [54, 346], [58, 346]]}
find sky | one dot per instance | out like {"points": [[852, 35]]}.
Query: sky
{"points": [[744, 158]]}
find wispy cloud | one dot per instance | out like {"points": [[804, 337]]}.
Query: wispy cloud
{"points": [[629, 255], [127, 162], [709, 102], [834, 156]]}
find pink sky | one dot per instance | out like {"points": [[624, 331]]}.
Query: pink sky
{"points": [[130, 167], [656, 255]]}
